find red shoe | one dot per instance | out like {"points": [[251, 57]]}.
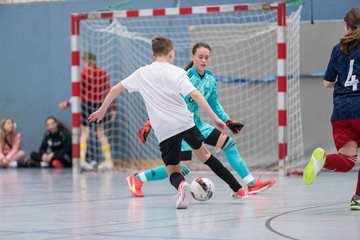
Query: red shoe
{"points": [[240, 194], [135, 186], [260, 186], [57, 164]]}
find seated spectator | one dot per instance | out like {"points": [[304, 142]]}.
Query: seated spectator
{"points": [[10, 144], [55, 149]]}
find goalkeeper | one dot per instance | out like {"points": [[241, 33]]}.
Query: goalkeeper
{"points": [[205, 82], [94, 85]]}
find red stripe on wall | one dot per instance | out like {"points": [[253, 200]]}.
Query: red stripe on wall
{"points": [[75, 150], [185, 11], [75, 89], [282, 151], [132, 13], [241, 8], [107, 15], [282, 84], [75, 58], [282, 14], [281, 50], [213, 9], [159, 12], [75, 29], [75, 120], [282, 118]]}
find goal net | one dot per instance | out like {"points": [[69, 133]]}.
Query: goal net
{"points": [[244, 42]]}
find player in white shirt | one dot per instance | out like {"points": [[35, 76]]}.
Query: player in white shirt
{"points": [[163, 85]]}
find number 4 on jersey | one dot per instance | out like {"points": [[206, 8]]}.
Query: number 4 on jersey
{"points": [[351, 79]]}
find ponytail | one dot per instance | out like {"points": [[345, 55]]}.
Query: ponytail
{"points": [[352, 38], [189, 65], [349, 41]]}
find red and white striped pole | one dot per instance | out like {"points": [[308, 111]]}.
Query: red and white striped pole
{"points": [[75, 92], [282, 88]]}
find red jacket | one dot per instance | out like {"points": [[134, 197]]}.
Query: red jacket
{"points": [[94, 85]]}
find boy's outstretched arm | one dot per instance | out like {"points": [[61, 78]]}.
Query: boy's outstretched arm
{"points": [[199, 99], [99, 114]]}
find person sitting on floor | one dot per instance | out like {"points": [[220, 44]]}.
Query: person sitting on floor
{"points": [[55, 149], [10, 144]]}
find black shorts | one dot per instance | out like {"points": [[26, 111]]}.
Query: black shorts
{"points": [[210, 140], [87, 109], [171, 147]]}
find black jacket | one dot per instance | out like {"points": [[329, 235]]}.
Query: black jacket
{"points": [[59, 143]]}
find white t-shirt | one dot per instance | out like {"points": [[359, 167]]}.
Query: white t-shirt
{"points": [[162, 86]]}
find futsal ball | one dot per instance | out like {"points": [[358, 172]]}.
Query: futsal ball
{"points": [[202, 189]]}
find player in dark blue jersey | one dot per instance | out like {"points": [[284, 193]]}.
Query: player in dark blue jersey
{"points": [[343, 75]]}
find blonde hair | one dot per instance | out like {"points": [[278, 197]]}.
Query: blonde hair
{"points": [[351, 39], [89, 57], [161, 46], [3, 137]]}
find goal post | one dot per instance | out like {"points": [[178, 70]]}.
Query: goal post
{"points": [[255, 59]]}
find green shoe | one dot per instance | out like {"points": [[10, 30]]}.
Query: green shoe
{"points": [[313, 167], [355, 203]]}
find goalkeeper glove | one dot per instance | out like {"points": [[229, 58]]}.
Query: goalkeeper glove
{"points": [[144, 131], [235, 127]]}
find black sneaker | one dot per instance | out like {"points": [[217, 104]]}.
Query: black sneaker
{"points": [[355, 203]]}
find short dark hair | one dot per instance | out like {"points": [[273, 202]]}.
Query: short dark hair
{"points": [[161, 45]]}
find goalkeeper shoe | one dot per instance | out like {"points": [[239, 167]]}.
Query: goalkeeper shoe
{"points": [[240, 194], [103, 166], [355, 203], [85, 166], [260, 186], [314, 166], [135, 186], [182, 201]]}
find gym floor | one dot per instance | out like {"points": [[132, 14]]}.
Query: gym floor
{"points": [[55, 204]]}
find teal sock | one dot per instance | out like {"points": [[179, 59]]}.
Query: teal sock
{"points": [[158, 173], [235, 160]]}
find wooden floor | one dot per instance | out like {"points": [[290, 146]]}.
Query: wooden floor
{"points": [[50, 204]]}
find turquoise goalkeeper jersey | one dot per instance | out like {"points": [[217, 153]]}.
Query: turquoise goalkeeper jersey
{"points": [[207, 87]]}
